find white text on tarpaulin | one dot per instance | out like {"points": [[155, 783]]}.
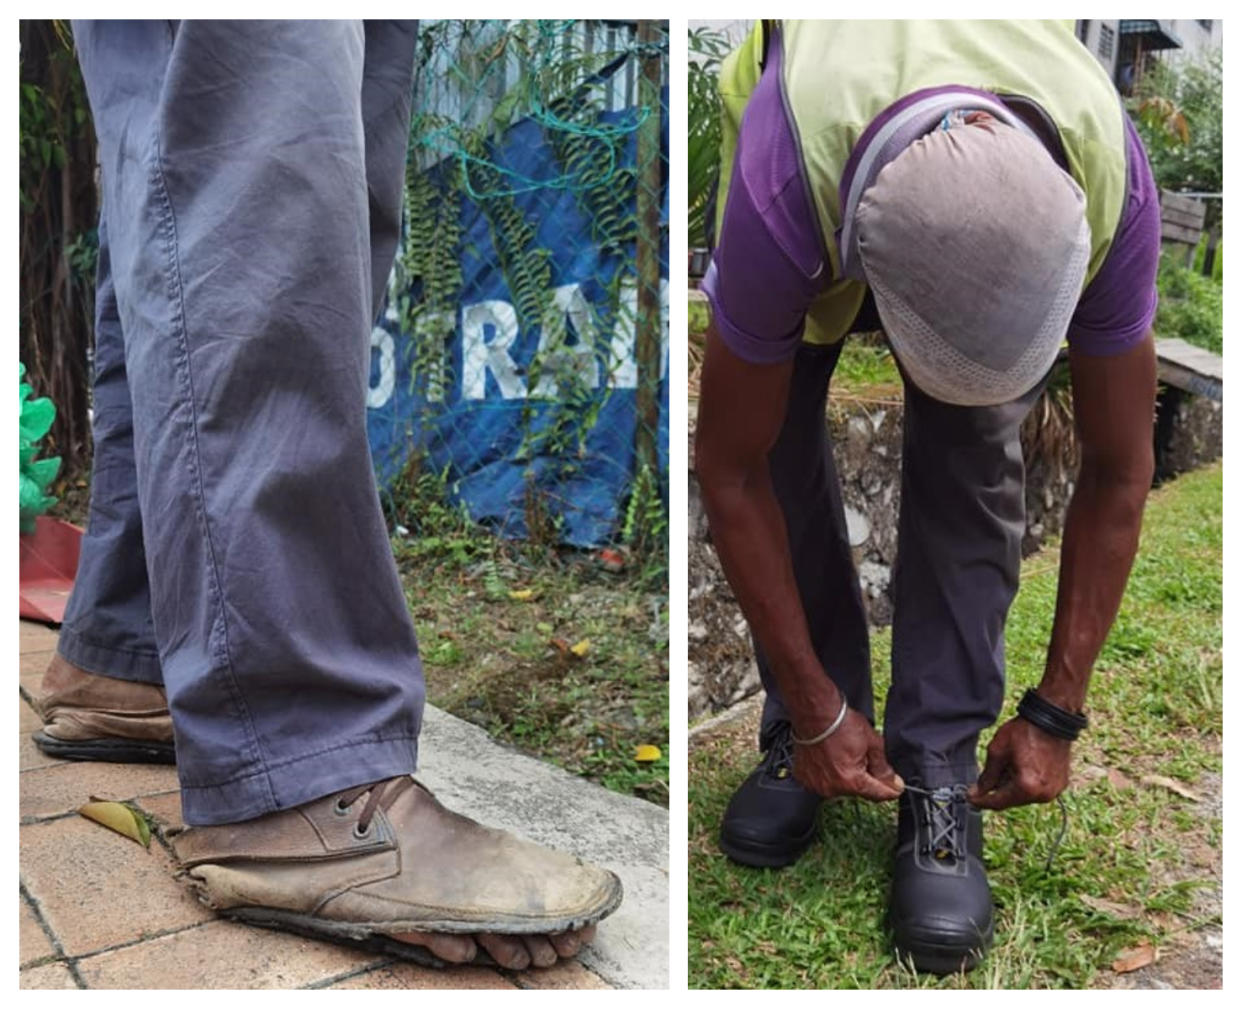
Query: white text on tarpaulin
{"points": [[489, 330]]}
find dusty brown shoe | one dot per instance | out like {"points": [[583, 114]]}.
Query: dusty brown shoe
{"points": [[359, 872], [90, 717]]}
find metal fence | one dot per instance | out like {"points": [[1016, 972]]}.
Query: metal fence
{"points": [[523, 353]]}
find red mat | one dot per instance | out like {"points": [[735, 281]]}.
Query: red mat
{"points": [[49, 562]]}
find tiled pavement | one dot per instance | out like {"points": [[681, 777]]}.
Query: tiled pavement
{"points": [[97, 911]]}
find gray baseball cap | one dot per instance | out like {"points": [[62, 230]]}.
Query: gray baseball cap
{"points": [[975, 244]]}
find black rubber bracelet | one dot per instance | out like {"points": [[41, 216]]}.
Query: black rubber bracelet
{"points": [[1053, 720]]}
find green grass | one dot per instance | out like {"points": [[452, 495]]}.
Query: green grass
{"points": [[865, 368], [497, 622], [1218, 262], [699, 315], [1155, 708]]}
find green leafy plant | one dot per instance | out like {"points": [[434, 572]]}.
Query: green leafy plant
{"points": [[35, 475], [646, 524], [1177, 108], [1191, 306], [707, 48]]}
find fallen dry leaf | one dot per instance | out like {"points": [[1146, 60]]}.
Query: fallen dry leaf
{"points": [[1171, 785], [1110, 907], [581, 648], [646, 753], [1118, 780], [119, 817], [1132, 959], [521, 594]]}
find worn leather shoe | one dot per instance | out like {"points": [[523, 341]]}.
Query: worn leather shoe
{"points": [[365, 864], [941, 906], [91, 717], [771, 819]]}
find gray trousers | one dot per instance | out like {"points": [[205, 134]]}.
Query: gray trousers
{"points": [[236, 551], [958, 554]]}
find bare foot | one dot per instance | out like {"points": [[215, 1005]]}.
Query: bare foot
{"points": [[515, 952]]}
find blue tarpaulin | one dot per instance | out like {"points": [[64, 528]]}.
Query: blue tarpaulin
{"points": [[480, 423]]}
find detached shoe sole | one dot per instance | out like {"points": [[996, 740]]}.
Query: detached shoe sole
{"points": [[116, 751], [374, 937]]}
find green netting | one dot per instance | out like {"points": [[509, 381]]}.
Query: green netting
{"points": [[523, 354]]}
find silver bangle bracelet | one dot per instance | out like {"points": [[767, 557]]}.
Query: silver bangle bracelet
{"points": [[845, 707]]}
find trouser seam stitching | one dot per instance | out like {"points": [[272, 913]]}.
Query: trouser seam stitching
{"points": [[176, 294]]}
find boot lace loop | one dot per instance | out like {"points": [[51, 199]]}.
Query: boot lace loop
{"points": [[382, 795], [778, 758]]}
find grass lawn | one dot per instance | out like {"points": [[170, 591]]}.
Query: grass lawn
{"points": [[544, 648], [865, 369], [1140, 862]]}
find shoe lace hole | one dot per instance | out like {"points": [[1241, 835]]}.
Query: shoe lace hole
{"points": [[339, 808], [359, 832]]}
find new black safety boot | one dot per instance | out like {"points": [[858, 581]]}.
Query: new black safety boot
{"points": [[771, 819], [941, 906]]}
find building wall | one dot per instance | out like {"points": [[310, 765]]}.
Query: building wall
{"points": [[1198, 38], [1101, 38]]}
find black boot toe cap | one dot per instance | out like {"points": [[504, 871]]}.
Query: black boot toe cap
{"points": [[941, 915]]}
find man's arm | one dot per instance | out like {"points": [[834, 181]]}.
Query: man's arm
{"points": [[1114, 410], [741, 410], [1114, 404]]}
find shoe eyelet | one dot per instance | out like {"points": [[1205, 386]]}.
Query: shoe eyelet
{"points": [[340, 809], [359, 833]]}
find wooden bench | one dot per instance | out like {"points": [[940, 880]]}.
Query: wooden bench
{"points": [[1181, 222]]}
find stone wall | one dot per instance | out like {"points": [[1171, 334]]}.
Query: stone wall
{"points": [[867, 441]]}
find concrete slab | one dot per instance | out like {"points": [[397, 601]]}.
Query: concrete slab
{"points": [[501, 787]]}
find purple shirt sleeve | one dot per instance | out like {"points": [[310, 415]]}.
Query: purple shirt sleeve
{"points": [[768, 265], [1118, 306]]}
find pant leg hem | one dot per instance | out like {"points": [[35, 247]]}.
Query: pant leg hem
{"points": [[119, 664], [939, 774], [297, 781]]}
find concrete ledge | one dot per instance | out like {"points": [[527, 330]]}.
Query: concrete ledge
{"points": [[496, 785]]}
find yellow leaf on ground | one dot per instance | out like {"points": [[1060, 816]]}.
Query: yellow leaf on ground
{"points": [[581, 648], [119, 817], [1132, 959], [646, 753], [521, 593]]}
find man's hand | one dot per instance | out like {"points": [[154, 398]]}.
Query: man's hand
{"points": [[1024, 765], [849, 762]]}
